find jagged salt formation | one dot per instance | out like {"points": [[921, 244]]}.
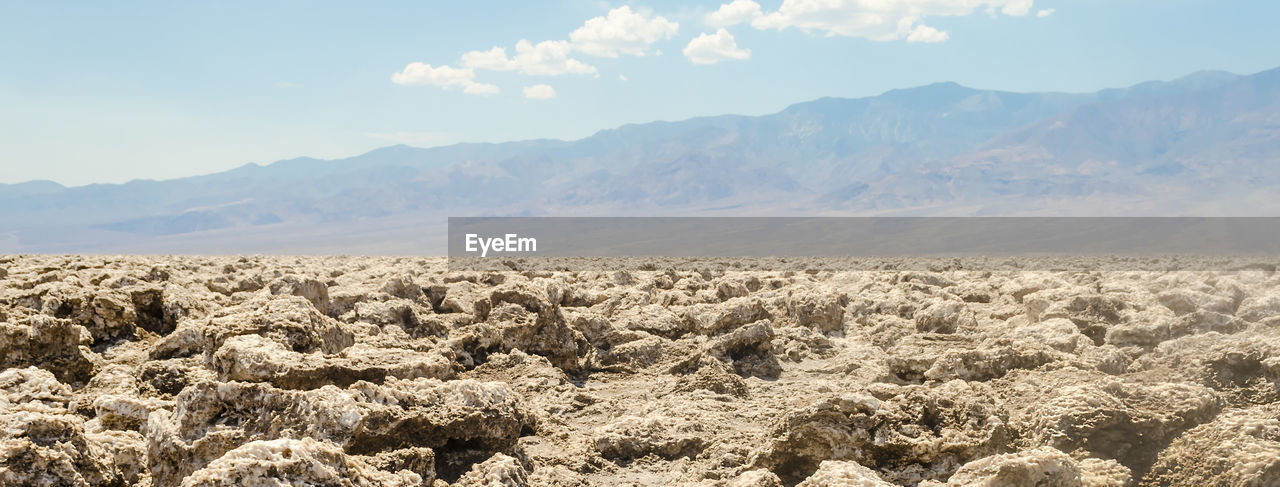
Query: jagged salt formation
{"points": [[208, 371]]}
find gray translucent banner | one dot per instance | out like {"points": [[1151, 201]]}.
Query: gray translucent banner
{"points": [[1136, 243]]}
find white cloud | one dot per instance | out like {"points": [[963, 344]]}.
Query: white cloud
{"points": [[622, 77], [713, 48], [880, 20], [621, 31], [546, 58], [1016, 8], [443, 76], [424, 74], [549, 58], [494, 59], [539, 92], [1045, 13], [734, 13], [924, 33], [481, 89]]}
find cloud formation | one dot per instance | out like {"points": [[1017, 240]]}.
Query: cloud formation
{"points": [[443, 76], [546, 58], [481, 89], [1045, 13], [622, 31], [878, 20], [713, 48], [539, 92], [735, 13], [924, 33]]}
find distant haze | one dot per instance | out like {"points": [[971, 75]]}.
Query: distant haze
{"points": [[1207, 144]]}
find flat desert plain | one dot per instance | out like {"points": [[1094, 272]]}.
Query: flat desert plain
{"points": [[354, 371]]}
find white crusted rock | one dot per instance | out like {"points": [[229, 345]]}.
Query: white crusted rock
{"points": [[254, 358], [1041, 467], [41, 442], [834, 473], [213, 418], [498, 471], [289, 462], [1240, 447]]}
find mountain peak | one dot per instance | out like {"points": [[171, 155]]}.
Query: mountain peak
{"points": [[939, 88], [1206, 79], [919, 97], [38, 186], [935, 94]]}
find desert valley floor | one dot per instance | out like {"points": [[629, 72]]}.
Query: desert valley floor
{"points": [[354, 371]]}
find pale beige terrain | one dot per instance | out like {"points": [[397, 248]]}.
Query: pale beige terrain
{"points": [[275, 371]]}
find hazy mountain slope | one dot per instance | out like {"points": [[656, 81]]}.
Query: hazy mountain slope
{"points": [[1211, 138], [1208, 136], [809, 147], [1151, 131]]}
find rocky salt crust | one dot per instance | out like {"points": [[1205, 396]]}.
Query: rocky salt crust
{"points": [[220, 371]]}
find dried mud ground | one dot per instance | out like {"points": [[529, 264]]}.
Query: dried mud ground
{"points": [[220, 371]]}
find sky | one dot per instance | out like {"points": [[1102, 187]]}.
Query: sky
{"points": [[106, 92]]}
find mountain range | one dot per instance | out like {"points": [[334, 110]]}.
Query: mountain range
{"points": [[1206, 144]]}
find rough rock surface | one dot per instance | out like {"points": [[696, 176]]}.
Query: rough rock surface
{"points": [[286, 462], [832, 473], [1240, 447], [1041, 467], [275, 371]]}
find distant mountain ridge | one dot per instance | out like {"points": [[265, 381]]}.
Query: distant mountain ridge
{"points": [[1207, 143]]}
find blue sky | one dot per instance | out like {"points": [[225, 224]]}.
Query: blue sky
{"points": [[112, 91]]}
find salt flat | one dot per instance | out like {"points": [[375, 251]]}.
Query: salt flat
{"points": [[206, 371]]}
